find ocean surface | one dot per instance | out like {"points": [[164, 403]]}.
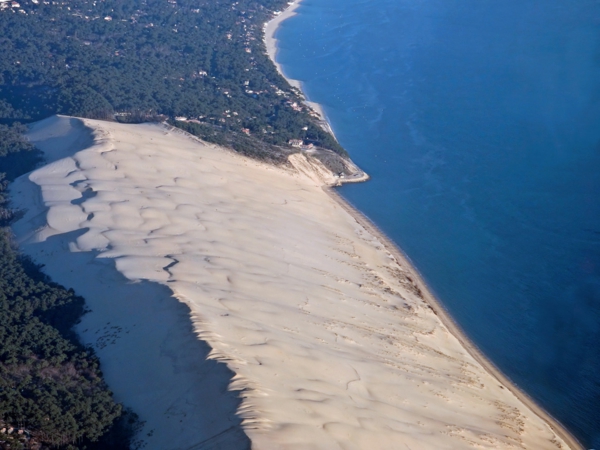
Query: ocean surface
{"points": [[479, 122]]}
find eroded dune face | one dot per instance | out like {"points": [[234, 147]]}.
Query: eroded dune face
{"points": [[330, 343]]}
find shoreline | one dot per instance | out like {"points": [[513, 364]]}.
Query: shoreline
{"points": [[270, 41], [453, 327], [437, 307]]}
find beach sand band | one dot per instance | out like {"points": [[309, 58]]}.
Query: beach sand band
{"points": [[454, 328]]}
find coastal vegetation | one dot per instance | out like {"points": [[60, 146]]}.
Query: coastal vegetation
{"points": [[136, 60], [51, 386]]}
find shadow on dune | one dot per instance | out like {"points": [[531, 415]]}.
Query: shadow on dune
{"points": [[150, 355]]}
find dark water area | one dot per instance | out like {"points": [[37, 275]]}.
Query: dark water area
{"points": [[479, 122]]}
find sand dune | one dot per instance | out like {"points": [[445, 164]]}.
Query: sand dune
{"points": [[325, 334]]}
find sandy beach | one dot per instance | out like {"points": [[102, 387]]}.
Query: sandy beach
{"points": [[234, 302], [271, 44], [453, 326]]}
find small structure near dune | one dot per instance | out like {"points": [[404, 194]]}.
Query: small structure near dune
{"points": [[299, 143], [10, 437]]}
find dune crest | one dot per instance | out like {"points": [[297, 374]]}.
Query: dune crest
{"points": [[327, 335]]}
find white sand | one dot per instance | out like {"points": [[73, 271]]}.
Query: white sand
{"points": [[329, 341], [271, 41], [271, 44]]}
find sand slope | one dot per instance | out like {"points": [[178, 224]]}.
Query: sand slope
{"points": [[325, 332]]}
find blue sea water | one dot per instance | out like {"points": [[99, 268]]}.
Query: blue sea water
{"points": [[479, 122]]}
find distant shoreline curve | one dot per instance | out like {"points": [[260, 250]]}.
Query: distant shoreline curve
{"points": [[270, 41]]}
